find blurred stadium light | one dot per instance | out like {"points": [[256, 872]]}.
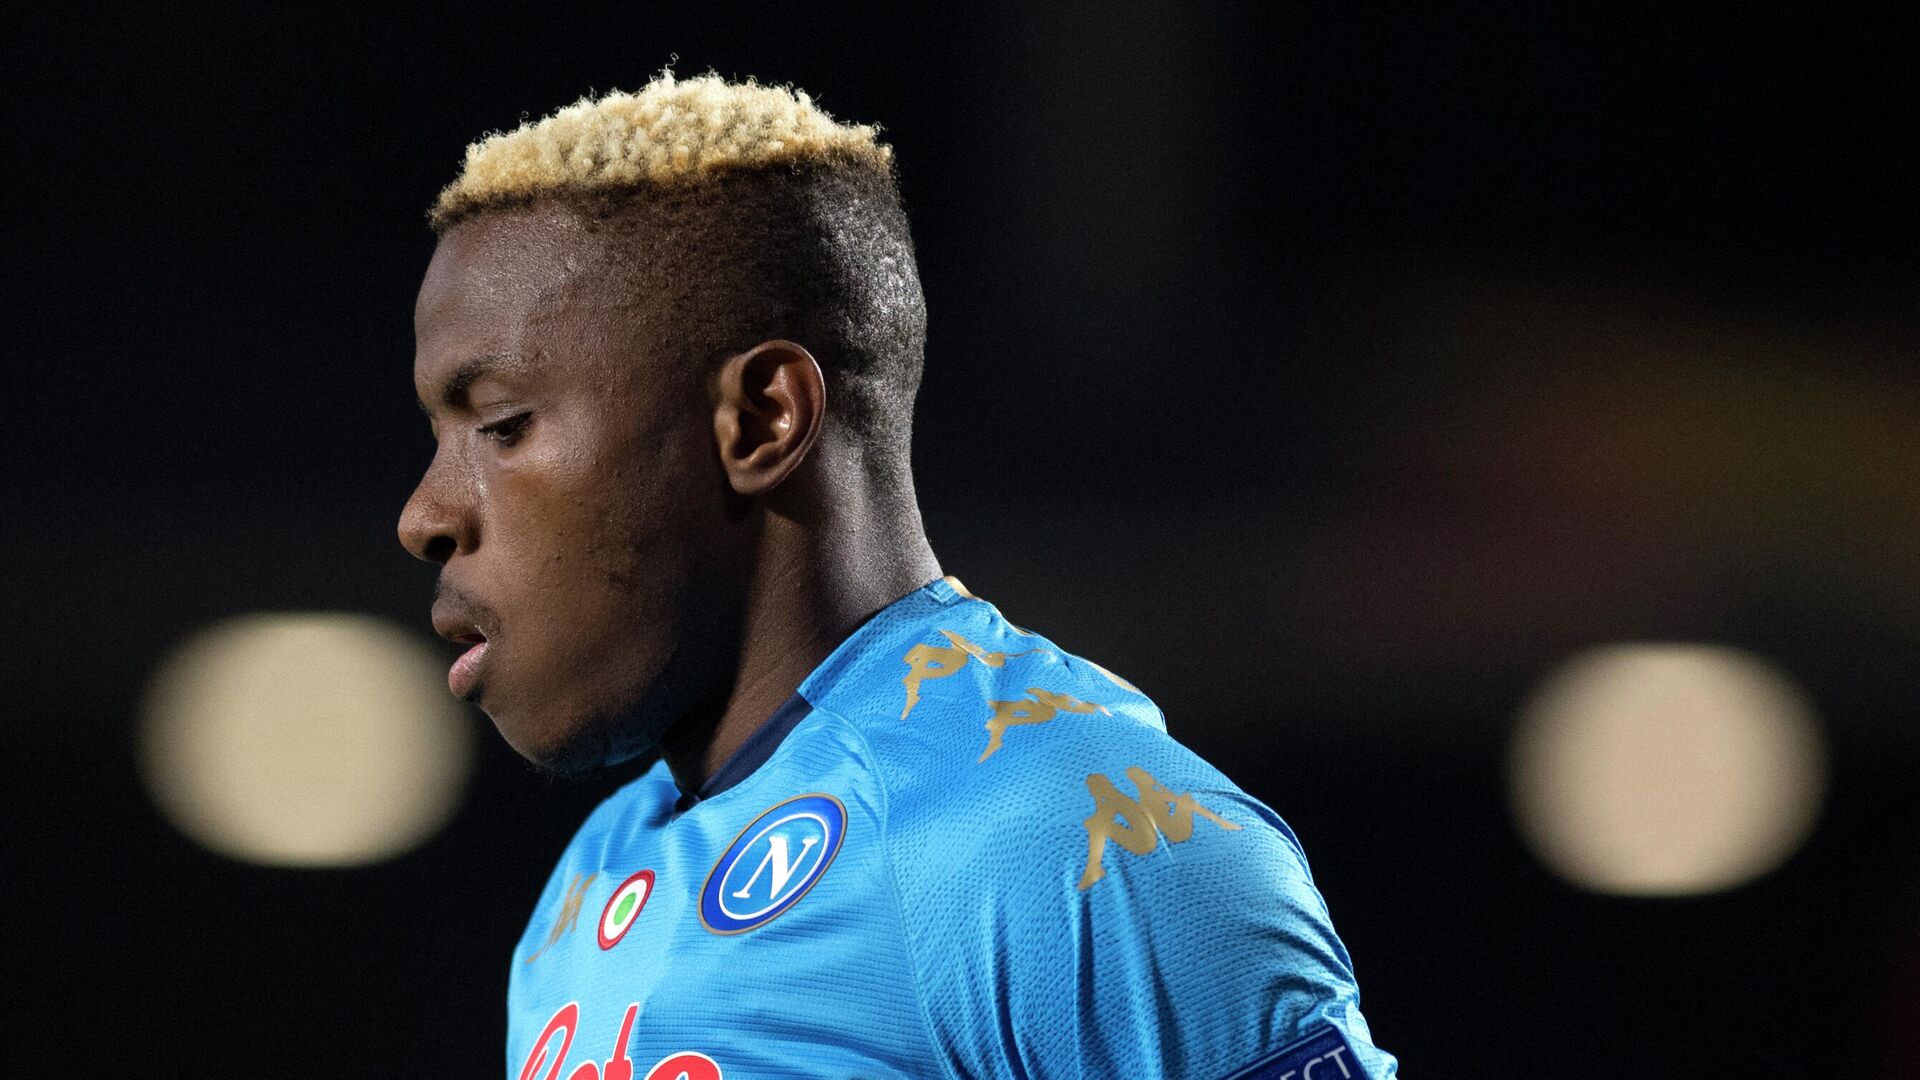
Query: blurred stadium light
{"points": [[1666, 769], [304, 739]]}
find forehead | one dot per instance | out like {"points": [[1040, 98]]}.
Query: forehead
{"points": [[501, 283]]}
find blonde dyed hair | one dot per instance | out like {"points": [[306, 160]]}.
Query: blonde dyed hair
{"points": [[671, 132]]}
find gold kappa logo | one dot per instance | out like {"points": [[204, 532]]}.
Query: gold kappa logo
{"points": [[939, 661], [1041, 707], [1138, 824], [569, 913]]}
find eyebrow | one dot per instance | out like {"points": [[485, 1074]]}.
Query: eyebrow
{"points": [[453, 393]]}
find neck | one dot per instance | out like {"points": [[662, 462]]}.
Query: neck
{"points": [[810, 591]]}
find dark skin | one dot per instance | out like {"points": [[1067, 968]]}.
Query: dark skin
{"points": [[654, 558]]}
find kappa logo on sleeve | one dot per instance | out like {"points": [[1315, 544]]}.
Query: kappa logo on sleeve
{"points": [[1038, 708], [1323, 1055], [939, 661], [1138, 824]]}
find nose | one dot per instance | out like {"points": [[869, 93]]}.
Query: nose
{"points": [[436, 523]]}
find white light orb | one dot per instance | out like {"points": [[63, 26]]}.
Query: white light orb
{"points": [[1666, 769], [305, 739]]}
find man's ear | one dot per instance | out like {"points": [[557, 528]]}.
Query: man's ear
{"points": [[769, 404]]}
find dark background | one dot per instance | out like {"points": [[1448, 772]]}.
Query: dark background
{"points": [[1331, 373]]}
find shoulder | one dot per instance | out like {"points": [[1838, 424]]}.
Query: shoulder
{"points": [[1062, 855], [961, 681], [1041, 795], [1005, 757]]}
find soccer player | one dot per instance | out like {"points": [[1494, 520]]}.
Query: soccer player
{"points": [[669, 344]]}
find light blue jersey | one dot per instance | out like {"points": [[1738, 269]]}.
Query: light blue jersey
{"points": [[958, 851]]}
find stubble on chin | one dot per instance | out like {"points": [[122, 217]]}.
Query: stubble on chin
{"points": [[604, 738]]}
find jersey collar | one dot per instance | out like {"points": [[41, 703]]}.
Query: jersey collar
{"points": [[902, 617], [880, 642]]}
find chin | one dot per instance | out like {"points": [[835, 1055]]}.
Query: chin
{"points": [[575, 745]]}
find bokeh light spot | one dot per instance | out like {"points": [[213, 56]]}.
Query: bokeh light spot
{"points": [[1666, 769], [305, 739]]}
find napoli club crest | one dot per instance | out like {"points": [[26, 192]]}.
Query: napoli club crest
{"points": [[772, 863]]}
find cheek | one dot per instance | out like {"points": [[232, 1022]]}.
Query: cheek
{"points": [[592, 518]]}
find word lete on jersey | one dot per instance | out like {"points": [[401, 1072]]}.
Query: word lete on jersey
{"points": [[623, 907], [685, 1065], [772, 863], [1138, 824]]}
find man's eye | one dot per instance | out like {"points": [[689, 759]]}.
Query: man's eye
{"points": [[506, 431]]}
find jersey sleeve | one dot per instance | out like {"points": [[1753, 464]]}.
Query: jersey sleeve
{"points": [[1112, 906]]}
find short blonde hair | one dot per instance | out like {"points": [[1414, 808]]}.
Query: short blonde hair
{"points": [[671, 132], [722, 215]]}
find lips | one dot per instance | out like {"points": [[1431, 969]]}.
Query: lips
{"points": [[458, 620], [464, 675]]}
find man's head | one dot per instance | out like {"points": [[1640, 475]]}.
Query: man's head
{"points": [[653, 323]]}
